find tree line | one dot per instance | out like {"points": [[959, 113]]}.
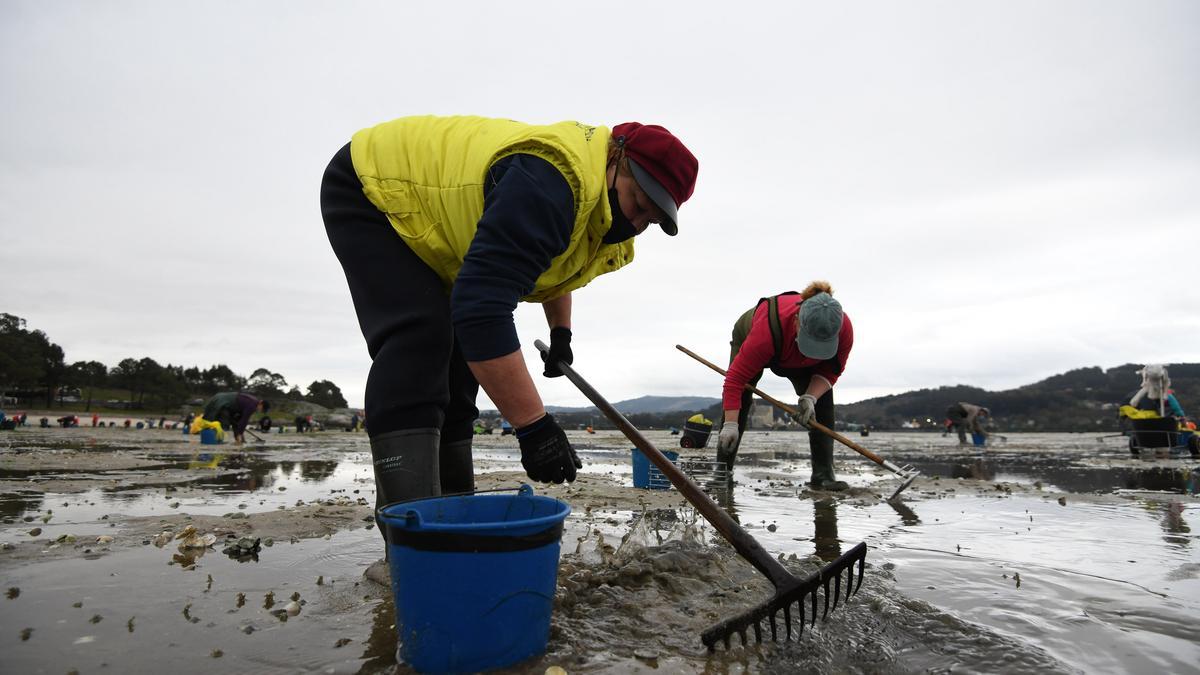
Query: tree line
{"points": [[1083, 399], [32, 369]]}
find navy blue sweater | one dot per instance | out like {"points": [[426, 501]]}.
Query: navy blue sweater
{"points": [[528, 217]]}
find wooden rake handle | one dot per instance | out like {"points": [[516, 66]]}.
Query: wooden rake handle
{"points": [[791, 410], [746, 546]]}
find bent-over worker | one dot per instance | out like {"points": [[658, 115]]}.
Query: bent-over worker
{"points": [[442, 225], [804, 337]]}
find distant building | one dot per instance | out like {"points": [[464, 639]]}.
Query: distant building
{"points": [[762, 415]]}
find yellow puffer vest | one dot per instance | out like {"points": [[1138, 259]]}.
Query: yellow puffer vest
{"points": [[427, 175]]}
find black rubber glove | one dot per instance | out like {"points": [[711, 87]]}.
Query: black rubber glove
{"points": [[560, 350], [546, 453]]}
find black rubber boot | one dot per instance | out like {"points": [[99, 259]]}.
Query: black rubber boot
{"points": [[822, 471], [406, 466], [456, 467]]}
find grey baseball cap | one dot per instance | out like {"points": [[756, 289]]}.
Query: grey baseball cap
{"points": [[820, 320], [659, 195]]}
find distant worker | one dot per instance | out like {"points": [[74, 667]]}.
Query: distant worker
{"points": [[804, 337], [233, 410], [442, 226], [964, 417], [95, 418], [1156, 393]]}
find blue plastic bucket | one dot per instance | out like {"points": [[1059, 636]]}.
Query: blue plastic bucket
{"points": [[978, 438], [209, 437], [646, 475], [473, 577]]}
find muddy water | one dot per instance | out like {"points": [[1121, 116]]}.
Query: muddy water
{"points": [[1042, 553]]}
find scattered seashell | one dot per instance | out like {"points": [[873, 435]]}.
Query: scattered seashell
{"points": [[195, 540], [217, 653], [35, 531], [96, 618], [13, 593], [25, 633], [342, 642], [187, 532], [105, 539], [292, 608]]}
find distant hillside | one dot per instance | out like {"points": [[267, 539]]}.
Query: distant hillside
{"points": [[648, 405], [1085, 399]]}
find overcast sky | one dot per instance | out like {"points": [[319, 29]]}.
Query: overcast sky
{"points": [[998, 191]]}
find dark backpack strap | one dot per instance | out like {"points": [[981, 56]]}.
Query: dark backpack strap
{"points": [[775, 324]]}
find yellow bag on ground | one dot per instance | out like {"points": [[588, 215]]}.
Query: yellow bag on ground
{"points": [[200, 424], [698, 418]]}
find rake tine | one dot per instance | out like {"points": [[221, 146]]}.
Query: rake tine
{"points": [[813, 595], [742, 634], [800, 605], [861, 562], [837, 588], [787, 622], [757, 633], [825, 608], [849, 582], [774, 631]]}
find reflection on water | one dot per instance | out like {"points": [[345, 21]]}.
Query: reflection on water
{"points": [[1053, 471], [15, 505], [379, 654], [907, 515], [1175, 528], [223, 477], [825, 529]]}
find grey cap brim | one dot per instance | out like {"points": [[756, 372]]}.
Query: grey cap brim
{"points": [[659, 195], [816, 349]]}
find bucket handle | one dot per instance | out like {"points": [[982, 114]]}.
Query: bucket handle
{"points": [[414, 518]]}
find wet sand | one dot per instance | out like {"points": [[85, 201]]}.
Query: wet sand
{"points": [[1046, 553]]}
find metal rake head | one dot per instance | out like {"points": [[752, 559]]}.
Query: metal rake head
{"points": [[909, 474], [794, 594]]}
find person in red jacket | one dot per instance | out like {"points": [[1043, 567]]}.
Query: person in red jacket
{"points": [[804, 337]]}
